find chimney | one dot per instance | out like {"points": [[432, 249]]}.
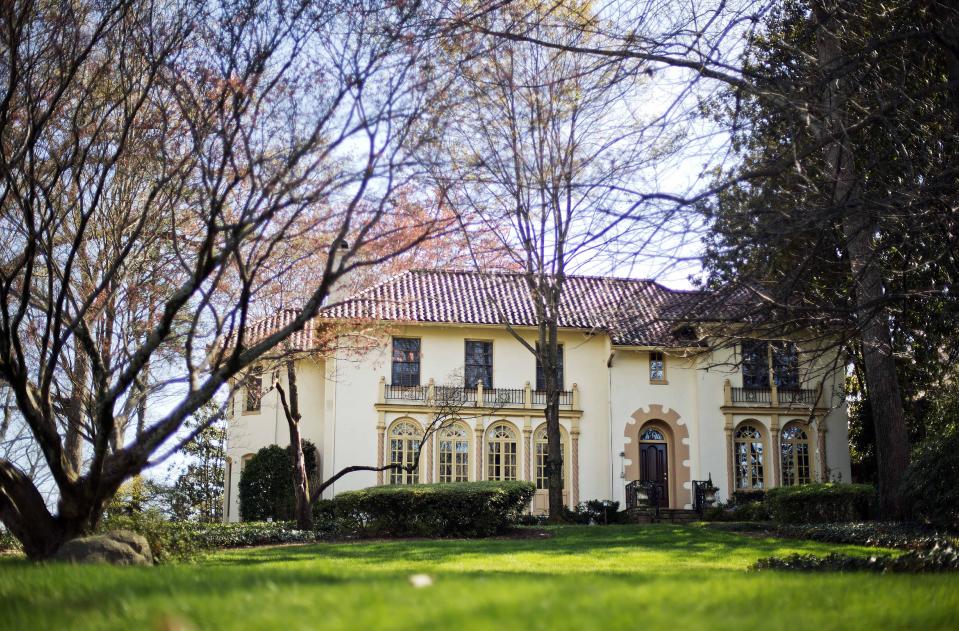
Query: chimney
{"points": [[341, 288]]}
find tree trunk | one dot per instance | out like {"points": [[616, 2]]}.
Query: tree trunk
{"points": [[554, 439], [73, 441], [872, 319], [882, 380], [303, 510], [25, 514]]}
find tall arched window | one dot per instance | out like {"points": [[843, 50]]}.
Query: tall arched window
{"points": [[404, 450], [454, 454], [794, 446], [501, 453], [541, 448], [748, 457]]}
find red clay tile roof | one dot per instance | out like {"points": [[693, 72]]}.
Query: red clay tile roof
{"points": [[633, 312]]}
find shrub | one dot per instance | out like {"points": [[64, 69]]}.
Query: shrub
{"points": [[528, 519], [879, 534], [266, 484], [931, 484], [814, 503], [183, 540], [744, 510], [465, 509], [9, 543], [600, 511], [937, 559], [750, 511], [744, 497]]}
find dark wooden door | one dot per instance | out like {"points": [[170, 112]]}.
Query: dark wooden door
{"points": [[652, 468]]}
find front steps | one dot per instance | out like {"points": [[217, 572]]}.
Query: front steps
{"points": [[666, 515]]}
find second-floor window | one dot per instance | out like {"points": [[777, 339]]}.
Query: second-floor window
{"points": [[478, 364], [762, 360], [657, 367], [254, 389], [786, 366], [406, 361], [541, 376], [755, 364]]}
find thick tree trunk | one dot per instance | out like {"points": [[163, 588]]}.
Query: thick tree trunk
{"points": [[872, 319], [73, 440], [25, 514], [882, 380], [303, 510]]}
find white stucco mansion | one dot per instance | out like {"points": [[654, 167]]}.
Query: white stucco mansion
{"points": [[646, 397]]}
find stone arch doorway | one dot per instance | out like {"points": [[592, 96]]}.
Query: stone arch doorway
{"points": [[676, 451], [654, 459]]}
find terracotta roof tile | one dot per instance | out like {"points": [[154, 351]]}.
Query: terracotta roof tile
{"points": [[633, 312]]}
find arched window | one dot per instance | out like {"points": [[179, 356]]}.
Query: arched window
{"points": [[794, 446], [748, 457], [454, 461], [501, 453], [541, 447], [404, 450]]}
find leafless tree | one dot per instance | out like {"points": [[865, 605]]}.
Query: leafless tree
{"points": [[160, 167], [556, 151], [840, 105]]}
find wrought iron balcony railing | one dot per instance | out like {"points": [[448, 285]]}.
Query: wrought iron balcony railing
{"points": [[432, 394], [771, 397]]}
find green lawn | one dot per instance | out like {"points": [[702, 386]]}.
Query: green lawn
{"points": [[582, 578]]}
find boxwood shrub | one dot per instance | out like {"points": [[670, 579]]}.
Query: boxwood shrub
{"points": [[931, 484], [817, 503], [266, 483], [465, 509], [170, 540]]}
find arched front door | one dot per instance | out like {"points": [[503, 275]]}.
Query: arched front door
{"points": [[654, 462]]}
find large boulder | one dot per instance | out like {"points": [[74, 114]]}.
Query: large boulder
{"points": [[117, 547]]}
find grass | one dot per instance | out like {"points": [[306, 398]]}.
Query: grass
{"points": [[582, 578]]}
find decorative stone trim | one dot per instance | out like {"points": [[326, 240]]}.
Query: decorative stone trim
{"points": [[429, 459], [527, 453], [574, 465], [479, 434], [821, 448], [380, 448], [776, 477], [730, 465], [680, 474]]}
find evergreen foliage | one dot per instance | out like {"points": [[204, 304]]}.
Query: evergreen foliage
{"points": [[266, 483]]}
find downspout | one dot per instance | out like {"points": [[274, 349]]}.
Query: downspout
{"points": [[609, 407], [276, 421]]}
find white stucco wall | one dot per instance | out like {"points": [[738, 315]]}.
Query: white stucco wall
{"points": [[339, 396]]}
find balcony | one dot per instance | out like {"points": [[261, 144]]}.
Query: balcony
{"points": [[770, 397], [459, 397]]}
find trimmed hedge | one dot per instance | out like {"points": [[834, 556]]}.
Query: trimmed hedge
{"points": [[465, 509], [937, 559], [184, 540], [904, 536], [818, 503], [748, 496]]}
